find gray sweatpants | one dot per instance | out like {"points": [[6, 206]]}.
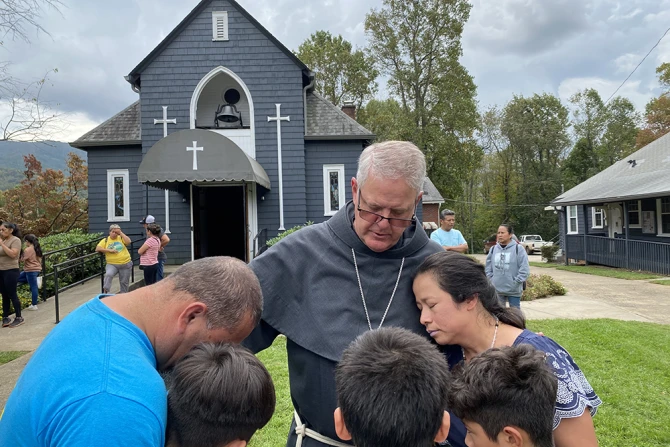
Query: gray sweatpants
{"points": [[124, 276]]}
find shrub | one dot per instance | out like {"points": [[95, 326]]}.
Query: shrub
{"points": [[549, 252], [281, 236], [57, 242], [540, 286]]}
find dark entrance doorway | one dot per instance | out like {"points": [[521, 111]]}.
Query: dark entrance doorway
{"points": [[220, 221]]}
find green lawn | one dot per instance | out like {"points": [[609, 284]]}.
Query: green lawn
{"points": [[8, 356], [606, 271], [627, 363], [543, 265], [663, 282]]}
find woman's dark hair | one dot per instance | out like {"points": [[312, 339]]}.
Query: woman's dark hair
{"points": [[463, 278], [36, 244], [12, 226], [154, 229], [510, 230]]}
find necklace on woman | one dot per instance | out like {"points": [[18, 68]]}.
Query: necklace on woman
{"points": [[493, 342], [360, 287]]}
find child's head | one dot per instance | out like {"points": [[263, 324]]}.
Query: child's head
{"points": [[218, 395], [506, 397], [392, 391]]}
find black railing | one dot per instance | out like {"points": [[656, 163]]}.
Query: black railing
{"points": [[89, 265], [629, 254]]}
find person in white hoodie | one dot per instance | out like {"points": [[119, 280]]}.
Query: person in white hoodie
{"points": [[507, 266]]}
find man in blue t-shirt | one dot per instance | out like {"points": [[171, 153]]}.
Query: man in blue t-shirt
{"points": [[446, 236], [94, 380]]}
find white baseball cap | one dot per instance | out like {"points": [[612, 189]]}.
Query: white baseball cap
{"points": [[148, 220]]}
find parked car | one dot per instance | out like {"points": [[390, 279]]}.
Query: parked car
{"points": [[533, 243], [492, 240]]}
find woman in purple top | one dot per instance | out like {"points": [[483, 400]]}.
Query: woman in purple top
{"points": [[149, 253], [459, 306]]}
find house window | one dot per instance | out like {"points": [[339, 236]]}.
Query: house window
{"points": [[572, 219], [633, 213], [663, 207], [220, 25], [333, 188], [118, 196], [598, 218]]}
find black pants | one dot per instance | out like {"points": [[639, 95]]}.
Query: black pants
{"points": [[150, 272], [8, 280]]}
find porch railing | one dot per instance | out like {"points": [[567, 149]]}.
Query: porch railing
{"points": [[629, 254]]}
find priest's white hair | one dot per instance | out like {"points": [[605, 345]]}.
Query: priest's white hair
{"points": [[393, 160]]}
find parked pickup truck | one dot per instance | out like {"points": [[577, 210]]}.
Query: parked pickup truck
{"points": [[533, 243]]}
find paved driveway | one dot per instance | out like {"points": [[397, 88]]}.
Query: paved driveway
{"points": [[591, 296]]}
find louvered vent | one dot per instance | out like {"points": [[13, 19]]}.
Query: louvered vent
{"points": [[220, 25]]}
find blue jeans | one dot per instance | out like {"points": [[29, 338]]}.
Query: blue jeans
{"points": [[159, 272], [30, 278], [514, 301]]}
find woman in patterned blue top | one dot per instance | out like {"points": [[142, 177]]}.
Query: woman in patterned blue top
{"points": [[459, 306]]}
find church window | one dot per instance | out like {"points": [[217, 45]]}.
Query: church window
{"points": [[220, 25], [333, 189], [118, 195]]}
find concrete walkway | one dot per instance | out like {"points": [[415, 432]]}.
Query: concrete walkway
{"points": [[591, 296]]}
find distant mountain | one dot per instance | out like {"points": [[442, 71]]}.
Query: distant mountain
{"points": [[52, 154]]}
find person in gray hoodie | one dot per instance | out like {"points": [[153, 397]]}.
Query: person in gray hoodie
{"points": [[507, 266]]}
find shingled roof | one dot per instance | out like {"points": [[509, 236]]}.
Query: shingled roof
{"points": [[645, 173], [326, 121], [430, 193], [122, 128]]}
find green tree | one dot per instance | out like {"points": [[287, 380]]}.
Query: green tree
{"points": [[621, 128], [657, 112], [579, 165], [342, 73], [607, 130], [656, 121], [386, 119], [417, 45], [663, 73]]}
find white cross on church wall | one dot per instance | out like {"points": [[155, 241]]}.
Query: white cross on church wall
{"points": [[195, 149], [279, 119], [165, 121]]}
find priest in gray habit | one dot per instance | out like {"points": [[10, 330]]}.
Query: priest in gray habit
{"points": [[328, 283]]}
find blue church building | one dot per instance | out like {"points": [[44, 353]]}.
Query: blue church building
{"points": [[227, 145]]}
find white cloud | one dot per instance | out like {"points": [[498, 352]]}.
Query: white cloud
{"points": [[633, 90], [627, 62]]}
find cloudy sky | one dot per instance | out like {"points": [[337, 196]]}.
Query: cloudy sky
{"points": [[509, 46]]}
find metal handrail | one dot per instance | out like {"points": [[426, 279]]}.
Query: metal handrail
{"points": [[80, 262]]}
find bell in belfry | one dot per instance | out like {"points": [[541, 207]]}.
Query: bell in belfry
{"points": [[229, 114]]}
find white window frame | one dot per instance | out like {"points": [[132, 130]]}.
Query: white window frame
{"points": [[659, 218], [570, 216], [639, 214], [595, 211], [111, 174], [327, 169], [216, 16]]}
